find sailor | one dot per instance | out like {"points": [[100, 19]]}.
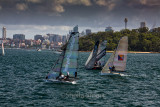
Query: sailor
{"points": [[113, 68], [61, 77], [75, 74], [46, 77], [67, 74], [95, 63], [67, 77]]}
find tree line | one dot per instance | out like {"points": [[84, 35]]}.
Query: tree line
{"points": [[138, 40]]}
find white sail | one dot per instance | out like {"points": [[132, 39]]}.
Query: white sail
{"points": [[3, 49], [120, 58], [89, 58], [108, 64]]}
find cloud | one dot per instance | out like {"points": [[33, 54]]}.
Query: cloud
{"points": [[34, 1], [101, 2], [59, 8], [110, 4], [0, 7], [75, 2], [86, 2], [21, 6], [153, 2], [143, 1], [58, 5]]}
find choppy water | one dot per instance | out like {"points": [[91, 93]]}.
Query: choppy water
{"points": [[22, 74]]}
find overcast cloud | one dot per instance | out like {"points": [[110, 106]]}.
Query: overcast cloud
{"points": [[58, 16]]}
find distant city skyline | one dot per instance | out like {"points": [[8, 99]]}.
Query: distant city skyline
{"points": [[31, 17]]}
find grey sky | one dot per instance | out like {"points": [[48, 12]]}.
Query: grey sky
{"points": [[32, 17]]}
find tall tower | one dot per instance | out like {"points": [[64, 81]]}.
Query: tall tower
{"points": [[3, 33], [125, 20], [142, 24]]}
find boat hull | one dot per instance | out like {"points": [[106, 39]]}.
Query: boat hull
{"points": [[112, 74], [59, 81], [94, 68], [97, 68]]}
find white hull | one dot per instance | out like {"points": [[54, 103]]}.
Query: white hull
{"points": [[56, 52], [58, 81], [110, 74], [38, 49]]}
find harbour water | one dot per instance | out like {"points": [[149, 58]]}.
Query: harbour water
{"points": [[22, 74]]}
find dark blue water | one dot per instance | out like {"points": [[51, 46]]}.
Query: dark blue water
{"points": [[22, 74]]}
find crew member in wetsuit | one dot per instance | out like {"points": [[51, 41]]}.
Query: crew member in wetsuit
{"points": [[46, 77], [67, 77], [113, 68], [75, 74], [95, 63]]}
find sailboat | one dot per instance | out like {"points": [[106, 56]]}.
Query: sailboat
{"points": [[116, 64], [65, 69], [96, 58], [3, 49], [38, 49]]}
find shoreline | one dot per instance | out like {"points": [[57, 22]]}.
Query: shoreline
{"points": [[128, 52], [90, 51]]}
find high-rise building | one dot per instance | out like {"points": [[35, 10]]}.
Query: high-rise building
{"points": [[59, 38], [75, 29], [19, 37], [88, 31], [54, 37], [36, 37], [142, 24], [4, 33], [125, 21], [64, 39], [108, 29]]}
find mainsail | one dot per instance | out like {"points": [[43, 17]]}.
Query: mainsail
{"points": [[118, 58], [70, 61], [67, 61], [101, 52], [96, 56], [92, 58]]}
